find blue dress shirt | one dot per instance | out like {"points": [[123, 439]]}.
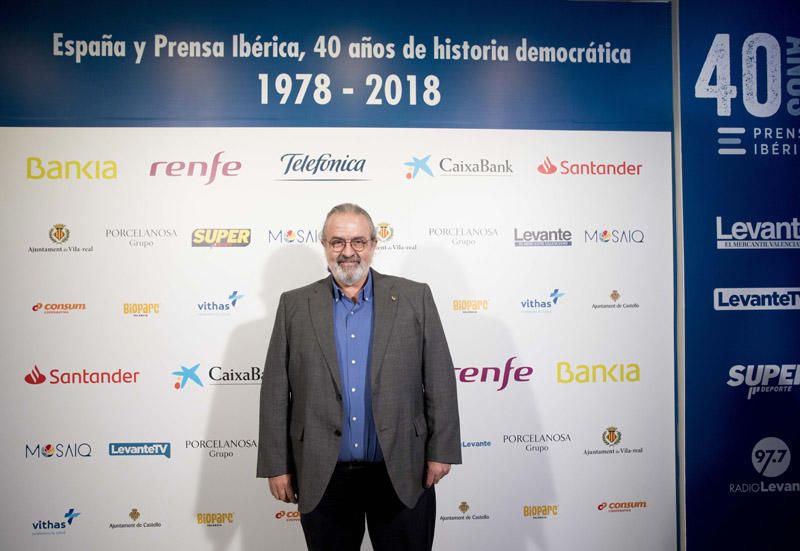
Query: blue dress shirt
{"points": [[352, 330]]}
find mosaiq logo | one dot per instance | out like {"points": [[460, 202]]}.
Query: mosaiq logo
{"points": [[542, 305], [761, 234], [59, 450], [502, 377], [771, 458], [222, 308], [591, 168], [764, 378], [614, 236], [298, 236], [199, 170], [322, 167]]}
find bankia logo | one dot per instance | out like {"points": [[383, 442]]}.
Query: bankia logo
{"points": [[294, 235], [83, 377], [757, 298], [59, 450], [222, 308], [60, 234], [38, 168], [322, 167], [542, 238], [590, 168], [55, 527], [58, 307], [542, 304], [117, 449], [624, 236], [199, 170], [597, 373], [221, 237], [771, 458], [748, 234], [764, 378], [496, 375]]}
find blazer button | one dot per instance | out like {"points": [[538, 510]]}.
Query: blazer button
{"points": [[337, 432]]}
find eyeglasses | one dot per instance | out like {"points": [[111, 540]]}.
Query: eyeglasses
{"points": [[358, 244]]}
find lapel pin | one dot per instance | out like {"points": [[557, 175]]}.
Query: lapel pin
{"points": [[394, 297]]}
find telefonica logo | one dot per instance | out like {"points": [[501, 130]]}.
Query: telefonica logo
{"points": [[758, 235], [42, 169], [757, 298], [764, 378], [323, 167], [201, 170], [592, 168]]}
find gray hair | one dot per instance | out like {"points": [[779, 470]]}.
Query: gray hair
{"points": [[350, 208]]}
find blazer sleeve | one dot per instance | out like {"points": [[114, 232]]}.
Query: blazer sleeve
{"points": [[441, 401], [274, 452]]}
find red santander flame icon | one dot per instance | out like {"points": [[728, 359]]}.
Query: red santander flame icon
{"points": [[35, 377], [547, 167]]}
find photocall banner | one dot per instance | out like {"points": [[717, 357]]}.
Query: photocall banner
{"points": [[167, 169], [740, 103]]}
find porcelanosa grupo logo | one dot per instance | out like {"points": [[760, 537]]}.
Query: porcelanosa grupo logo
{"points": [[757, 298], [762, 234], [82, 377], [764, 378], [502, 377], [771, 458], [463, 236], [55, 527], [221, 449], [538, 442], [199, 170], [541, 304], [221, 308], [141, 237], [591, 168], [322, 167]]}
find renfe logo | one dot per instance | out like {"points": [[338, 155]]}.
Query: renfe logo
{"points": [[522, 374], [197, 168], [757, 298]]}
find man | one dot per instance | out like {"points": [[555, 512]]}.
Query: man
{"points": [[359, 416]]}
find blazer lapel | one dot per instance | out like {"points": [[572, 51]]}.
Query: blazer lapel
{"points": [[386, 300], [320, 305]]}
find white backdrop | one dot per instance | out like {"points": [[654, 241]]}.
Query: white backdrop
{"points": [[531, 478]]}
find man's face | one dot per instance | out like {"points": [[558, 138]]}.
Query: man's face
{"points": [[348, 266]]}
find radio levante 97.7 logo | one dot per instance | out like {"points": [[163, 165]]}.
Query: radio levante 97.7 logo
{"points": [[771, 458], [761, 68]]}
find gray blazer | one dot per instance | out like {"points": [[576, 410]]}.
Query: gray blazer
{"points": [[412, 382]]}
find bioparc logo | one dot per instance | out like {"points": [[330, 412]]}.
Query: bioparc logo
{"points": [[764, 378], [140, 309], [621, 506], [615, 236], [539, 512], [322, 167], [59, 450], [217, 376], [222, 308], [55, 527], [496, 375], [612, 438], [771, 458], [746, 234], [116, 449], [298, 236], [592, 168], [215, 519], [58, 308], [221, 237], [82, 377], [470, 306], [757, 298], [200, 170], [542, 305], [459, 167]]}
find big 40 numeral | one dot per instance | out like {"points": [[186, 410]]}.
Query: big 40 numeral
{"points": [[718, 60]]}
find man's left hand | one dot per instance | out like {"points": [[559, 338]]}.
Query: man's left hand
{"points": [[435, 472]]}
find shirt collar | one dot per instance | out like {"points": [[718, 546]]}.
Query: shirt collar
{"points": [[364, 294]]}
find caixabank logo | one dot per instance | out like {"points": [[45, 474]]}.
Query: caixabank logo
{"points": [[221, 237], [589, 168], [771, 458], [82, 377], [501, 377], [770, 379], [217, 376], [458, 166], [55, 526]]}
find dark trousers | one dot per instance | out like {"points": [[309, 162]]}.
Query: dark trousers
{"points": [[364, 490]]}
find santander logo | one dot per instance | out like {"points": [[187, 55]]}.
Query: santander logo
{"points": [[547, 167], [35, 377]]}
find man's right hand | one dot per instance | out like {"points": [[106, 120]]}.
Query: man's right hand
{"points": [[281, 488]]}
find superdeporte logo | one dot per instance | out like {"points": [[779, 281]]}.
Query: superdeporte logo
{"points": [[764, 378], [221, 237], [200, 170], [491, 374], [758, 235], [592, 168], [140, 448], [757, 298], [83, 377]]}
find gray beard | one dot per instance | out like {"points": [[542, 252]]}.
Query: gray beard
{"points": [[348, 278]]}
